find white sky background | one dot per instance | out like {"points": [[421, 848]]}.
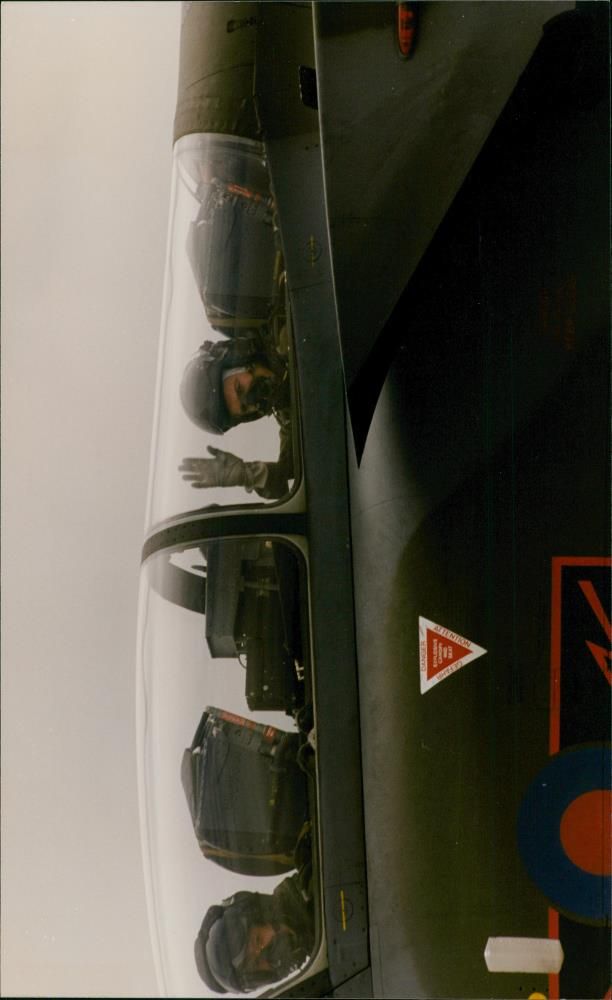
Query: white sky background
{"points": [[88, 93]]}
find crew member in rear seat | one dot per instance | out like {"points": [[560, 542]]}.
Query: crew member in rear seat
{"points": [[228, 383], [254, 939]]}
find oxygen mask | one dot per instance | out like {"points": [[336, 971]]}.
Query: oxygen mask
{"points": [[261, 395]]}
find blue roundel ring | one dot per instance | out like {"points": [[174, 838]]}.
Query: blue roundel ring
{"points": [[574, 772]]}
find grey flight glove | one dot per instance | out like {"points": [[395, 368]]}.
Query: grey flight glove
{"points": [[223, 469]]}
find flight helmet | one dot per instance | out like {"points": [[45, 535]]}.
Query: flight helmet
{"points": [[202, 390], [221, 945]]}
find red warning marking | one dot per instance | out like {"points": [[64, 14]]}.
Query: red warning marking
{"points": [[553, 933], [601, 655], [603, 658], [442, 652], [590, 593], [406, 28], [558, 562], [238, 720]]}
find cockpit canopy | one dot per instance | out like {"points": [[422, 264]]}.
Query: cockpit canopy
{"points": [[231, 243], [227, 773], [224, 300]]}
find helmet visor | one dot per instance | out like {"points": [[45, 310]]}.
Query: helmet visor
{"points": [[226, 949]]}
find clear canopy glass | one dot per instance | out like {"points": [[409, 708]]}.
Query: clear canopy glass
{"points": [[225, 369], [226, 766]]}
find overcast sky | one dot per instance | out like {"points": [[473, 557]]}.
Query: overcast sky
{"points": [[88, 92]]}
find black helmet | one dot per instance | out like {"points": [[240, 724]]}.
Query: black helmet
{"points": [[214, 952], [221, 945], [202, 390]]}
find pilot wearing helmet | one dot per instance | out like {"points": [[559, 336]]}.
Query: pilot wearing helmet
{"points": [[232, 382], [254, 939]]}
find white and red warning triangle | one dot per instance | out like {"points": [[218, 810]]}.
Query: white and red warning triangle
{"points": [[442, 652]]}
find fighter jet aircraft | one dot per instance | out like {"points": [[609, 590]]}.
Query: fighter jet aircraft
{"points": [[374, 639]]}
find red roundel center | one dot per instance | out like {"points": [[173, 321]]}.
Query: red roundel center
{"points": [[585, 832]]}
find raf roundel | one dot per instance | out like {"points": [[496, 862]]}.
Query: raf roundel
{"points": [[564, 832]]}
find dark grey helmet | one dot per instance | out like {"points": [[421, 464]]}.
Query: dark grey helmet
{"points": [[213, 954], [202, 391], [221, 945]]}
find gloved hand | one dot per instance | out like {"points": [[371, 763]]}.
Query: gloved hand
{"points": [[223, 469]]}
